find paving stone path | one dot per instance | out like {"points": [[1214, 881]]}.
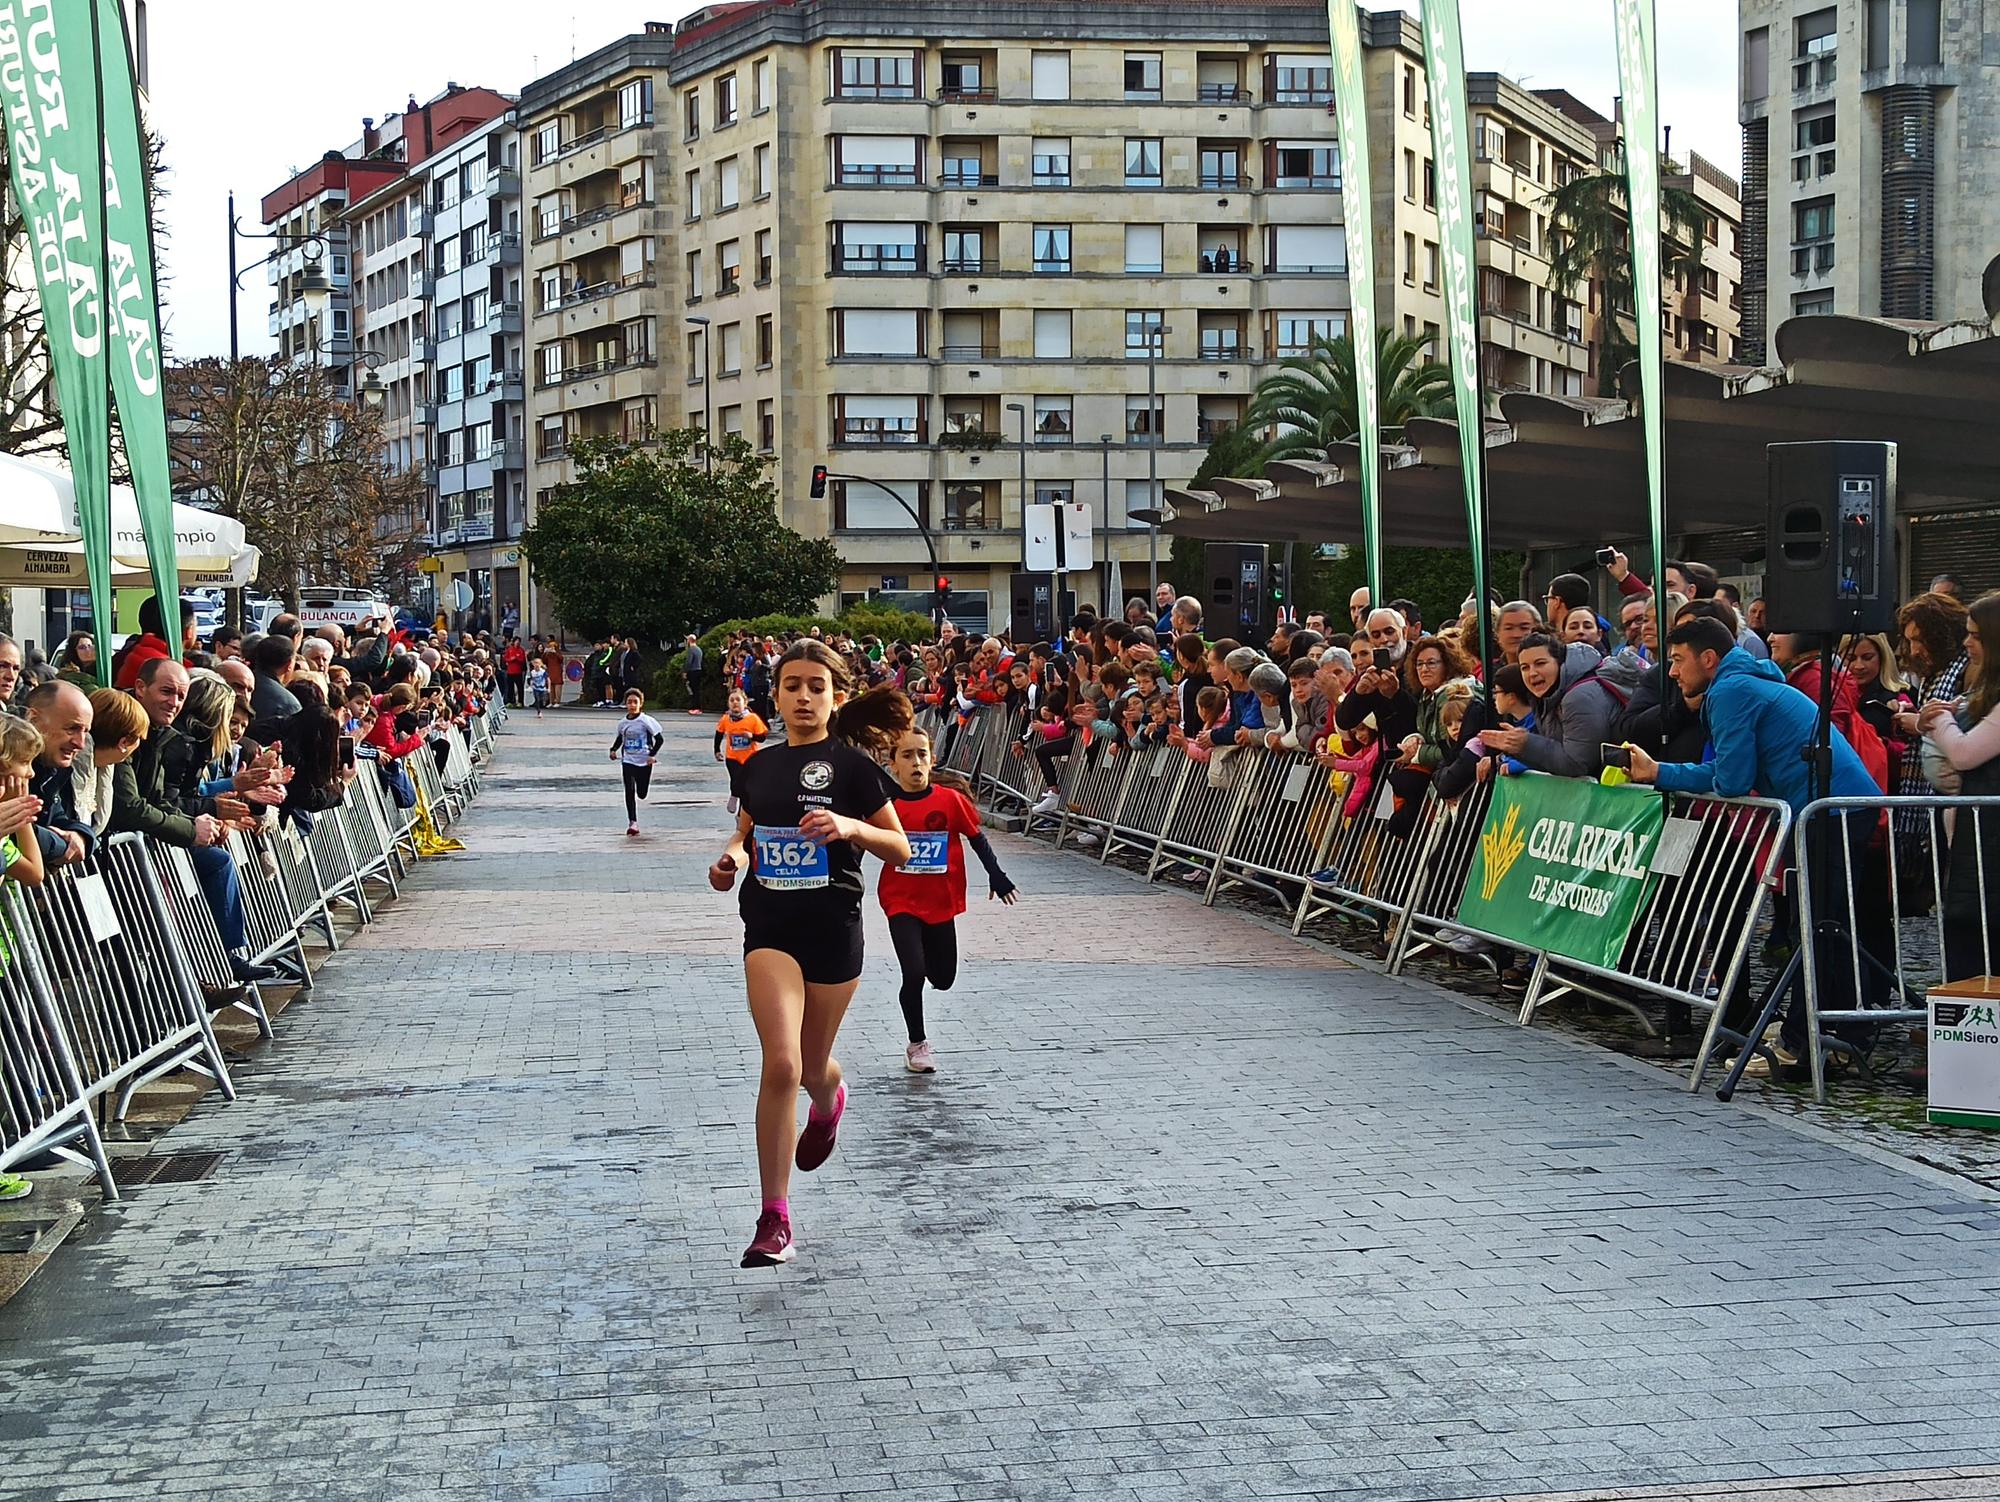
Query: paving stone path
{"points": [[1192, 1211]]}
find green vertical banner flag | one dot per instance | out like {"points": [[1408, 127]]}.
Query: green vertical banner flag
{"points": [[1451, 149], [134, 355], [49, 91], [1350, 108], [1564, 865], [1639, 83]]}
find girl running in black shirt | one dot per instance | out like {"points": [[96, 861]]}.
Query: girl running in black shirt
{"points": [[810, 809]]}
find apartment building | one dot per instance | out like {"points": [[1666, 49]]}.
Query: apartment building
{"points": [[313, 313], [974, 260], [1868, 169], [477, 469], [935, 249], [1701, 314]]}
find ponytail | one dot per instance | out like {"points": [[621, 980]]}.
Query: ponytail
{"points": [[874, 721]]}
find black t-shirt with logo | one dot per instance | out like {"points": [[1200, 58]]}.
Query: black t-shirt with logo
{"points": [[778, 787]]}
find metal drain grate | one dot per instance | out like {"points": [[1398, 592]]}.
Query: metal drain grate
{"points": [[165, 1168]]}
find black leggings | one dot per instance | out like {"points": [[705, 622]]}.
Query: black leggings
{"points": [[927, 952], [637, 781]]}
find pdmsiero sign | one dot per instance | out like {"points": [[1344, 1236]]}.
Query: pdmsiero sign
{"points": [[1563, 865]]}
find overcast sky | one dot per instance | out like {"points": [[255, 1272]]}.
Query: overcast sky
{"points": [[247, 91]]}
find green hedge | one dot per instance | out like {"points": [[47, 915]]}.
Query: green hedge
{"points": [[670, 681]]}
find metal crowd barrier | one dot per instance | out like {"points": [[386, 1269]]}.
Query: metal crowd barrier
{"points": [[1907, 863], [1197, 826], [193, 923], [1288, 817], [1017, 776], [1093, 787], [1159, 774], [44, 1105], [1280, 824], [108, 969]]}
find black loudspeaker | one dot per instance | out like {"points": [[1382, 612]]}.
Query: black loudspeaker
{"points": [[1236, 598], [1034, 619], [1831, 561]]}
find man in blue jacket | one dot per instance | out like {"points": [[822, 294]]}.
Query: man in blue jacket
{"points": [[1759, 729]]}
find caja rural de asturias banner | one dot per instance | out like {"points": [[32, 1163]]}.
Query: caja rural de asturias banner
{"points": [[1563, 865]]}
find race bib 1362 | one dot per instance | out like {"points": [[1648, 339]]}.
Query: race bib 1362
{"points": [[788, 861]]}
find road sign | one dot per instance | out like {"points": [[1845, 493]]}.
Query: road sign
{"points": [[1039, 556]]}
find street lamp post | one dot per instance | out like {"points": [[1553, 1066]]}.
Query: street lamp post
{"points": [[930, 545], [1104, 598], [1020, 411], [1155, 349], [707, 398]]}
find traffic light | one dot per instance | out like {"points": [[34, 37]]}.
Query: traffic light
{"points": [[819, 482], [943, 590]]}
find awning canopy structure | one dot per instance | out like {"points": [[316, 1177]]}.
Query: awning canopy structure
{"points": [[41, 543], [1567, 470]]}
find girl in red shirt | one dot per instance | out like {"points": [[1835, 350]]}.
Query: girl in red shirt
{"points": [[923, 897]]}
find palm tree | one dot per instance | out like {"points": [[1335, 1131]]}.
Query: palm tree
{"points": [[1311, 401], [1590, 240]]}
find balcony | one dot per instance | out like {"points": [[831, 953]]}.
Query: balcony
{"points": [[503, 182], [504, 247], [876, 175], [591, 291], [594, 368], [425, 414], [1208, 429], [876, 260], [867, 432], [584, 218], [505, 456], [966, 177], [505, 318], [506, 383], [423, 351], [1224, 182], [1222, 349], [968, 352], [1223, 93], [972, 266], [1223, 262]]}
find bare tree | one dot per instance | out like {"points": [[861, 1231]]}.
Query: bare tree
{"points": [[270, 443]]}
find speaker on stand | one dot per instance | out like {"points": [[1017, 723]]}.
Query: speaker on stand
{"points": [[1829, 571]]}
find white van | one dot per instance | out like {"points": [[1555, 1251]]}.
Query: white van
{"points": [[346, 608]]}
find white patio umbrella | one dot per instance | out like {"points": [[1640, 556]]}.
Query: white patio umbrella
{"points": [[38, 511], [59, 565]]}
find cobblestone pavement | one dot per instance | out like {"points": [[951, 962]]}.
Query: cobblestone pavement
{"points": [[1192, 1211]]}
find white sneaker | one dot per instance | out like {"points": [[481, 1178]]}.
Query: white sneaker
{"points": [[1048, 803], [632, 829], [917, 1059]]}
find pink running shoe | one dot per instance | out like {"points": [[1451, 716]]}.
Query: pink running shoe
{"points": [[772, 1245], [918, 1059], [816, 1141]]}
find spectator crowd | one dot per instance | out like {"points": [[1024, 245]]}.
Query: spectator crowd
{"points": [[196, 738], [1392, 707]]}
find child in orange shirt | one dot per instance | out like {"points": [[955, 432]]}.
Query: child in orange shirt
{"points": [[737, 735]]}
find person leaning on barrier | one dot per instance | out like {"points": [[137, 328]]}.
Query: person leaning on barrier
{"points": [[1578, 697], [1759, 729], [118, 727], [141, 804], [61, 715]]}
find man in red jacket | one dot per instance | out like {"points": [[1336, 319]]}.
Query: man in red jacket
{"points": [[151, 643]]}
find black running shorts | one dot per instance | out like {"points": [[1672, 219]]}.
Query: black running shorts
{"points": [[829, 954]]}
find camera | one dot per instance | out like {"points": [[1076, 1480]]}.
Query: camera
{"points": [[1606, 557], [1385, 660], [1616, 756]]}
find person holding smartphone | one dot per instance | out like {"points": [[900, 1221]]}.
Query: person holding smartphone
{"points": [[1379, 689]]}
